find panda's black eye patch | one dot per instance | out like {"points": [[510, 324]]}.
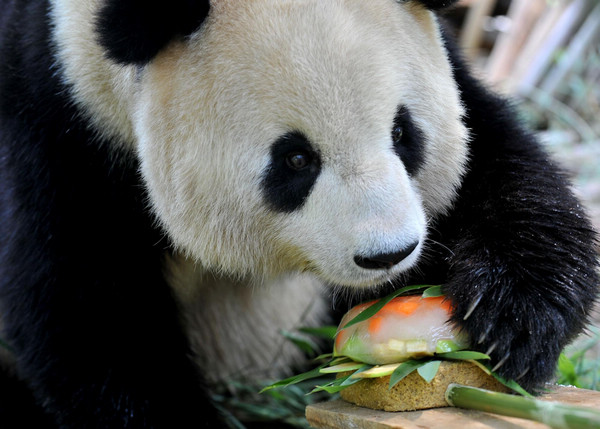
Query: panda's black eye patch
{"points": [[292, 172], [408, 140]]}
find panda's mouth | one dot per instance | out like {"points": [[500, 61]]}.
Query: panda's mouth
{"points": [[385, 260], [367, 272]]}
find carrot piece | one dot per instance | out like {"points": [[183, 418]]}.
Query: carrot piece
{"points": [[440, 302], [446, 305], [339, 341], [404, 306], [374, 324]]}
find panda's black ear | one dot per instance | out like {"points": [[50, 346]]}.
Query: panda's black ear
{"points": [[134, 31], [437, 4]]}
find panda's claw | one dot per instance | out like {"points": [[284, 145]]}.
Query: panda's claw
{"points": [[472, 306], [520, 376], [491, 348], [501, 362], [485, 333]]}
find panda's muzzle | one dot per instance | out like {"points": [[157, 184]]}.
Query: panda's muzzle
{"points": [[384, 260]]}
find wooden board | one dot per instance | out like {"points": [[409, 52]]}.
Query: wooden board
{"points": [[341, 415]]}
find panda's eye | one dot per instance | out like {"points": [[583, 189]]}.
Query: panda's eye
{"points": [[397, 134], [298, 160], [408, 140], [292, 172]]}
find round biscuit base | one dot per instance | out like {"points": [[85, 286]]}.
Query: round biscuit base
{"points": [[414, 393]]}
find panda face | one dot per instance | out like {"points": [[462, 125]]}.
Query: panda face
{"points": [[302, 135], [309, 135]]}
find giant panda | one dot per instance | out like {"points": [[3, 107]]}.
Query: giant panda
{"points": [[181, 180]]}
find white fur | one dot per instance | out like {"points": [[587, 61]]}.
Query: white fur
{"points": [[205, 112], [235, 328], [103, 90]]}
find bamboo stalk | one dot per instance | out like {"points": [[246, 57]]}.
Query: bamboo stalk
{"points": [[558, 24], [470, 38], [553, 414], [585, 37], [524, 14]]}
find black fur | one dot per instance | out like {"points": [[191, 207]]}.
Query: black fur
{"points": [[82, 294], [134, 31], [17, 405], [437, 4]]}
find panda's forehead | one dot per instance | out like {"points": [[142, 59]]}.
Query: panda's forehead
{"points": [[328, 69], [335, 71]]}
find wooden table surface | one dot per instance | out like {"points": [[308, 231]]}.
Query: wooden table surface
{"points": [[342, 415]]}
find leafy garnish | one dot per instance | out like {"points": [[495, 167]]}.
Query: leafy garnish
{"points": [[463, 355], [340, 360], [325, 356], [403, 370], [433, 292], [327, 332], [511, 384], [313, 373], [342, 367], [429, 370], [378, 371], [445, 346], [333, 386], [378, 305], [341, 383], [426, 367]]}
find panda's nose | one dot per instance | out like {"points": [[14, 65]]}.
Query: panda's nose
{"points": [[384, 260]]}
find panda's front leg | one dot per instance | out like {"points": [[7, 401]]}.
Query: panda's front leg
{"points": [[522, 268], [522, 274], [92, 322]]}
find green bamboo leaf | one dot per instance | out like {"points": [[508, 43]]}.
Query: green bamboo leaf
{"points": [[305, 344], [324, 356], [327, 332], [463, 355], [445, 346], [343, 367], [511, 384], [433, 292], [314, 373], [354, 378], [567, 372], [341, 383], [339, 360], [331, 387], [403, 370], [378, 305], [429, 370], [480, 365], [379, 371]]}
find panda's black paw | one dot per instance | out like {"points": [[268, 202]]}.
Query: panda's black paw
{"points": [[517, 355], [523, 338]]}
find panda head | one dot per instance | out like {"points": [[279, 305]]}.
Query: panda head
{"points": [[290, 135]]}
